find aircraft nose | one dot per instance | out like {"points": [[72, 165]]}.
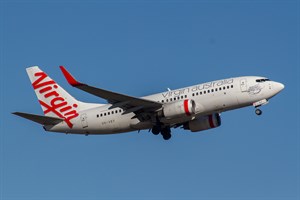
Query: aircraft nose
{"points": [[278, 86]]}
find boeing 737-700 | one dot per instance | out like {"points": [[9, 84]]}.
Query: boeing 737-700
{"points": [[195, 108]]}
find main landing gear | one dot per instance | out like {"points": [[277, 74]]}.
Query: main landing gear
{"points": [[165, 132], [156, 130]]}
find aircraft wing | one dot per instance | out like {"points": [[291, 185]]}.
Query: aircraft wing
{"points": [[119, 100]]}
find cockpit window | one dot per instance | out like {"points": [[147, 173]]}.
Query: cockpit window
{"points": [[262, 80]]}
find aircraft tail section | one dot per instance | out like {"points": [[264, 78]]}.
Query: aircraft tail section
{"points": [[55, 101]]}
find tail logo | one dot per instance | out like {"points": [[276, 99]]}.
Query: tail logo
{"points": [[57, 104]]}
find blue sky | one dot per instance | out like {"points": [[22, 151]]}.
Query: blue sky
{"points": [[140, 48]]}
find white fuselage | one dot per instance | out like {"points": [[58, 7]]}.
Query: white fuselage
{"points": [[211, 97]]}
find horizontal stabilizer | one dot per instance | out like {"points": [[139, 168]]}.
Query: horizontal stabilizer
{"points": [[44, 120]]}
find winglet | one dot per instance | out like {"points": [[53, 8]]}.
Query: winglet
{"points": [[71, 80]]}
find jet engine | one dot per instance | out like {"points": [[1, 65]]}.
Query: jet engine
{"points": [[179, 109], [203, 123]]}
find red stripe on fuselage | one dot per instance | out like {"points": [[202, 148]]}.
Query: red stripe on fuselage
{"points": [[186, 107]]}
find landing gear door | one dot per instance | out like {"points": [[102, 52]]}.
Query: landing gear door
{"points": [[83, 119], [243, 84]]}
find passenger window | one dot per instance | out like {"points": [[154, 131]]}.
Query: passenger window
{"points": [[112, 112], [181, 97], [228, 87], [200, 93], [167, 100], [216, 89], [174, 98], [101, 115], [224, 88], [97, 115], [162, 101], [120, 110], [171, 99], [208, 91], [231, 86], [204, 92], [178, 98], [197, 94], [104, 114], [193, 94], [220, 88], [212, 90], [185, 96], [108, 113]]}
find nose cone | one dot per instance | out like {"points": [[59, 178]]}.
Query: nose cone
{"points": [[278, 87]]}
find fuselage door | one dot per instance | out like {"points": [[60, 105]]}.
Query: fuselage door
{"points": [[83, 119], [243, 84]]}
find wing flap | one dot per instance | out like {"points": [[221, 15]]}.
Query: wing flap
{"points": [[44, 120]]}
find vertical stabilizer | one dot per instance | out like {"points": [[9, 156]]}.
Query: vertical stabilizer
{"points": [[55, 101]]}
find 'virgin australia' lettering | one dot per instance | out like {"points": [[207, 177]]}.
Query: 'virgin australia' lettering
{"points": [[195, 88]]}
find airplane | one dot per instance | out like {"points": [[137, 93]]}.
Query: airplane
{"points": [[194, 108]]}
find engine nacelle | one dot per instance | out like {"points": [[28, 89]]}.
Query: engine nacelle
{"points": [[203, 123], [179, 109]]}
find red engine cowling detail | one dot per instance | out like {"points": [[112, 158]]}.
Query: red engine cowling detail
{"points": [[179, 109], [203, 123]]}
